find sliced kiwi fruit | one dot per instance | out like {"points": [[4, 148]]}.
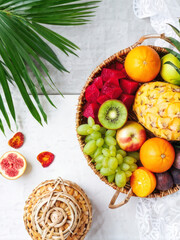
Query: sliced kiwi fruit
{"points": [[112, 114]]}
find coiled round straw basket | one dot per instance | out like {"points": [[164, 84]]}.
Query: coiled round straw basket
{"points": [[120, 57], [57, 209]]}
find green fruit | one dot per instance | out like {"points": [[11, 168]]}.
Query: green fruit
{"points": [[88, 138], [83, 129], [119, 158], [168, 72], [96, 135], [97, 152], [129, 160], [111, 178], [122, 152], [110, 140], [98, 166], [99, 159], [91, 121], [106, 171], [110, 133], [113, 114], [125, 166], [120, 179], [90, 147], [96, 127], [106, 152], [100, 142], [134, 155], [113, 163]]}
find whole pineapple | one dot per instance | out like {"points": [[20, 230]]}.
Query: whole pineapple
{"points": [[157, 107]]}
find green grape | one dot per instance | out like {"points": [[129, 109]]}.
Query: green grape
{"points": [[88, 138], [125, 166], [113, 163], [105, 145], [95, 135], [110, 133], [98, 152], [99, 158], [106, 171], [128, 173], [96, 127], [118, 169], [90, 130], [102, 130], [90, 147], [112, 153], [91, 121], [120, 179], [83, 129], [134, 155], [105, 162], [112, 148], [98, 166], [109, 140], [106, 152], [133, 167], [100, 142], [111, 178], [119, 158], [122, 152], [129, 160]]}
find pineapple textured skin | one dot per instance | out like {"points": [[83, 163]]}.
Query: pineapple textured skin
{"points": [[157, 107]]}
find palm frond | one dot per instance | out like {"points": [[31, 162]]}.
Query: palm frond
{"points": [[22, 47]]}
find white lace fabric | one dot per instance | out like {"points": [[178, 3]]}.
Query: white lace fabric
{"points": [[159, 219], [160, 13]]}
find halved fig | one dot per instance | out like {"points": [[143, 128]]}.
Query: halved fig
{"points": [[12, 165]]}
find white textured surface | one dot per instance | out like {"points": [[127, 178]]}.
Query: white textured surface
{"points": [[59, 137]]}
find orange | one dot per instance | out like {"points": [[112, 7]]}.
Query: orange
{"points": [[142, 64], [143, 182], [157, 155]]}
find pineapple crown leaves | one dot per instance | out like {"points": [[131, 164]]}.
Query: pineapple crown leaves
{"points": [[176, 44], [22, 47]]}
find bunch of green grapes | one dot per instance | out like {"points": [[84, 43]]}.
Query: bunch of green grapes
{"points": [[101, 145]]}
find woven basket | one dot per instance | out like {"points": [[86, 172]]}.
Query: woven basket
{"points": [[57, 209], [120, 57]]}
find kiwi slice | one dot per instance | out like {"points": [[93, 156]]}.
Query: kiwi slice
{"points": [[112, 114]]}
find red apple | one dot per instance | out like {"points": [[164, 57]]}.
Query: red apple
{"points": [[131, 136]]}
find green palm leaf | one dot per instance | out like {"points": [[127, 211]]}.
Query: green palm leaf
{"points": [[22, 47]]}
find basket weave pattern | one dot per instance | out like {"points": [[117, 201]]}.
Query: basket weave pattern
{"points": [[57, 209], [120, 57]]}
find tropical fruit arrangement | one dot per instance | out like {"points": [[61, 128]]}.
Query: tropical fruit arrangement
{"points": [[128, 120]]}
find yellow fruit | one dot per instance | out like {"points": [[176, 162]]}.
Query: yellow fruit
{"points": [[157, 107]]}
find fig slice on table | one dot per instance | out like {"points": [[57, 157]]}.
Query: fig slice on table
{"points": [[12, 165], [17, 140], [45, 158]]}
